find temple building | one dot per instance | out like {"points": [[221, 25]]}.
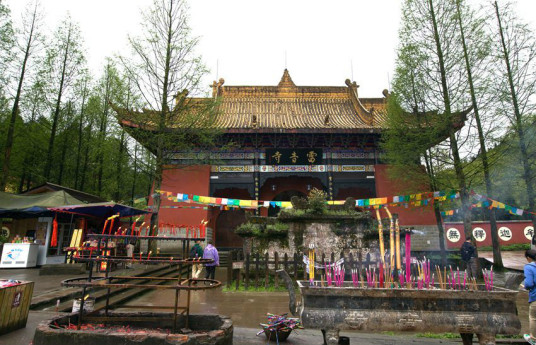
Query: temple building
{"points": [[287, 140]]}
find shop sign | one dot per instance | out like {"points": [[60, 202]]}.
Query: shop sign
{"points": [[293, 156], [453, 235], [479, 234], [505, 234]]}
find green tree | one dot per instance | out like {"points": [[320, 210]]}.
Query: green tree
{"points": [[28, 38], [63, 64], [474, 54], [165, 67], [517, 87]]}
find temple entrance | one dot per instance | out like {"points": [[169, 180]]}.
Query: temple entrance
{"points": [[285, 196], [226, 222]]}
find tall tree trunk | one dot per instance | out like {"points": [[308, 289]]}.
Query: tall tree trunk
{"points": [[86, 156], [527, 176], [437, 212], [15, 110], [161, 128], [80, 135], [134, 176], [64, 145], [48, 164], [119, 174], [458, 168], [497, 257], [103, 127]]}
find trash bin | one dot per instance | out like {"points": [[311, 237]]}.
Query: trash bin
{"points": [[15, 299]]}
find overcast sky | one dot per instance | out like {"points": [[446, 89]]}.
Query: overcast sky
{"points": [[249, 42]]}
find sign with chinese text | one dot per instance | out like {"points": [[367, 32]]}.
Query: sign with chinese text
{"points": [[529, 232], [479, 234], [505, 234], [293, 156], [453, 235]]}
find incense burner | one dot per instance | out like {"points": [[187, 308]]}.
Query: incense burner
{"points": [[136, 329], [331, 309]]}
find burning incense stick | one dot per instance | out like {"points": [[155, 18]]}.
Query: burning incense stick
{"points": [[408, 256], [380, 234], [397, 238], [391, 238]]}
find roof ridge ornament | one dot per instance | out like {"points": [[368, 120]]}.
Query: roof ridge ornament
{"points": [[286, 80]]}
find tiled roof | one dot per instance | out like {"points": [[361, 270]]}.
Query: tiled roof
{"points": [[288, 107]]}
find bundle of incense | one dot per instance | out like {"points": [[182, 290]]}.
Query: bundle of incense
{"points": [[397, 237], [408, 256], [322, 280], [380, 234], [339, 275], [381, 275], [392, 250], [355, 278], [488, 279], [328, 273], [311, 264]]}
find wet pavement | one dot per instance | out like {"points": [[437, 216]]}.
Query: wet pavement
{"points": [[512, 259], [247, 310]]}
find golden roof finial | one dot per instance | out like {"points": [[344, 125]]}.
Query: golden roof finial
{"points": [[286, 80]]}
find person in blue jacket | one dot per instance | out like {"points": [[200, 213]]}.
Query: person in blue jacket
{"points": [[530, 284]]}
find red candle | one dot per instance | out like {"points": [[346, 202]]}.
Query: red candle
{"points": [[104, 227], [133, 228], [149, 256], [140, 255]]}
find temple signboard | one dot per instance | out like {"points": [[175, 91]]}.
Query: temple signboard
{"points": [[293, 156]]}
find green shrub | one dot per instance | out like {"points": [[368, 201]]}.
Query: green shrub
{"points": [[317, 201]]}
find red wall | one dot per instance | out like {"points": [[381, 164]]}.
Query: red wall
{"points": [[187, 180], [517, 228], [385, 186]]}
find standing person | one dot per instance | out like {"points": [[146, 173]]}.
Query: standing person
{"points": [[468, 252], [530, 284], [211, 253], [196, 253]]}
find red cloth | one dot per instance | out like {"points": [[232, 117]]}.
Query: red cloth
{"points": [[54, 240]]}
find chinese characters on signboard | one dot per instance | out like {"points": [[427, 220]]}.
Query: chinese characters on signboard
{"points": [[479, 234], [529, 232], [293, 156], [505, 234], [453, 235]]}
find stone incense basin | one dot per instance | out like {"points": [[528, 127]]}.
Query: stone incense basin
{"points": [[332, 309], [143, 329]]}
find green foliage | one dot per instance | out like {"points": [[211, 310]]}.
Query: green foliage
{"points": [[507, 248], [266, 231], [438, 335], [317, 201], [3, 239]]}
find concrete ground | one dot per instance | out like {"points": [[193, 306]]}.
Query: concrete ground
{"points": [[247, 310]]}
